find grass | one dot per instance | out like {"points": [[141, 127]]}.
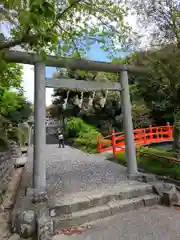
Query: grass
{"points": [[154, 163]]}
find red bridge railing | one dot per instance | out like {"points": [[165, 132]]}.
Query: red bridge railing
{"points": [[143, 136]]}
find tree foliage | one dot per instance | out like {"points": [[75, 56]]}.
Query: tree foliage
{"points": [[14, 108], [154, 95], [160, 88], [11, 76], [64, 27], [160, 20], [102, 117]]}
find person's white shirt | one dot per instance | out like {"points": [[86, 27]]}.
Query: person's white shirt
{"points": [[60, 136]]}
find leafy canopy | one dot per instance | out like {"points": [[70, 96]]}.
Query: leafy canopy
{"points": [[160, 19], [11, 76], [64, 27]]}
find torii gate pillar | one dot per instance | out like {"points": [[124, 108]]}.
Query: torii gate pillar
{"points": [[127, 125], [39, 164]]}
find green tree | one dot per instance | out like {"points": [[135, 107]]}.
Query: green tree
{"points": [[21, 113], [11, 76], [107, 117], [14, 108], [64, 27], [160, 19], [103, 117], [160, 88], [9, 101]]}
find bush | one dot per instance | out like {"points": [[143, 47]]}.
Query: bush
{"points": [[83, 135], [154, 163], [18, 133]]}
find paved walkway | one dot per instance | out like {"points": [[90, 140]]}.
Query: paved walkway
{"points": [[154, 223], [70, 170]]}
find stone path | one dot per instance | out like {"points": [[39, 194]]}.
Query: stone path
{"points": [[153, 223], [70, 170]]}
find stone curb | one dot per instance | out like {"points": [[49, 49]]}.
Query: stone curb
{"points": [[95, 200], [13, 185], [112, 208]]}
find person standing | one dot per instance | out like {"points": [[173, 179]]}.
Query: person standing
{"points": [[60, 138]]}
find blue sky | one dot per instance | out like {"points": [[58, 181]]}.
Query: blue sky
{"points": [[95, 53]]}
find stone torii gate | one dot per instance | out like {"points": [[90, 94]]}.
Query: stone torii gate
{"points": [[40, 83]]}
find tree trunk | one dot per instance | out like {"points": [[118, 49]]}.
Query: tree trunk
{"points": [[176, 140]]}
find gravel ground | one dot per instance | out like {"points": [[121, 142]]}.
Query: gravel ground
{"points": [[154, 223], [70, 170]]}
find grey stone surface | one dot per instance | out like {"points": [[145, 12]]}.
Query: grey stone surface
{"points": [[28, 216], [36, 195], [151, 223], [7, 160], [149, 178], [44, 228], [85, 200], [170, 197], [78, 218], [15, 237], [168, 192], [121, 206], [106, 210], [25, 230], [24, 223], [151, 200], [20, 161], [71, 171]]}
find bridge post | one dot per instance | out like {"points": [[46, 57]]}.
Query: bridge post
{"points": [[128, 125], [39, 165], [99, 144], [151, 133], [114, 142], [169, 130]]}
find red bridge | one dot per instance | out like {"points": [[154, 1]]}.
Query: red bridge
{"points": [[143, 136]]}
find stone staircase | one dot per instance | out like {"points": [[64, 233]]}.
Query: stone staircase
{"points": [[84, 207]]}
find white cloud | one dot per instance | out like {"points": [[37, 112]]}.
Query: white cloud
{"points": [[28, 84]]}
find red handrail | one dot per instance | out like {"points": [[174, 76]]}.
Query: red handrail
{"points": [[142, 136]]}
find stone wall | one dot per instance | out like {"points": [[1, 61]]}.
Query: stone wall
{"points": [[51, 135], [7, 160]]}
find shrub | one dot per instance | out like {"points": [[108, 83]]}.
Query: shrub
{"points": [[154, 163], [83, 134]]}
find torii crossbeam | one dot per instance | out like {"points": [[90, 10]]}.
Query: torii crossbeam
{"points": [[81, 85]]}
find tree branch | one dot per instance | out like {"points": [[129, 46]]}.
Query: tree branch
{"points": [[60, 15], [13, 43], [33, 38]]}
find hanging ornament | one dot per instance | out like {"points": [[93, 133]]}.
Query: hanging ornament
{"points": [[103, 99], [66, 100], [76, 101], [81, 100], [91, 99]]}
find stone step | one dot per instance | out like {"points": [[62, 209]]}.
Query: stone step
{"points": [[111, 208], [126, 190]]}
